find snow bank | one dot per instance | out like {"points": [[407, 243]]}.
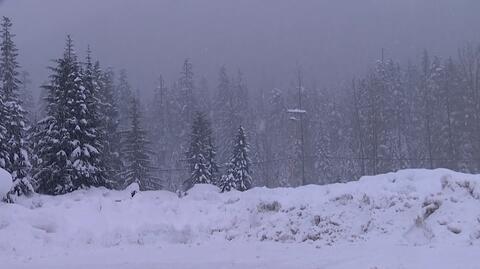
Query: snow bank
{"points": [[410, 207], [5, 183]]}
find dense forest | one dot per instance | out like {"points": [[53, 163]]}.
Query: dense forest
{"points": [[91, 128]]}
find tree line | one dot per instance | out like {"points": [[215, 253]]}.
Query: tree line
{"points": [[90, 128], [91, 132]]}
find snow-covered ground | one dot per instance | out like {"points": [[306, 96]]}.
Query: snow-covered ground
{"points": [[408, 219]]}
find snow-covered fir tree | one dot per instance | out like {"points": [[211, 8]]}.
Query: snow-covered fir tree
{"points": [[4, 150], [238, 175], [17, 160], [109, 125], [68, 145], [227, 180], [53, 172], [138, 167], [4, 114], [201, 153], [86, 123]]}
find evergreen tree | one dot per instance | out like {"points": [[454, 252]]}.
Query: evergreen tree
{"points": [[42, 103], [186, 92], [415, 111], [124, 100], [27, 97], [201, 153], [329, 140], [277, 133], [383, 111], [185, 104], [394, 110], [227, 181], [431, 114], [68, 145], [231, 109], [211, 154], [182, 110], [223, 112], [238, 172], [110, 136], [84, 126], [203, 96], [4, 149], [137, 155], [15, 130], [447, 114], [163, 129], [53, 173], [4, 113], [158, 120], [468, 67], [261, 140]]}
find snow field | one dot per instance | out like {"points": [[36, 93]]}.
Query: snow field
{"points": [[406, 210]]}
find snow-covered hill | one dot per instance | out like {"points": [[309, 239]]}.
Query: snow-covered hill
{"points": [[411, 211]]}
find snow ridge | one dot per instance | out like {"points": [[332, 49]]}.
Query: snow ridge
{"points": [[412, 207]]}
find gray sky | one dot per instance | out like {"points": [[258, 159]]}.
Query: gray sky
{"points": [[332, 39]]}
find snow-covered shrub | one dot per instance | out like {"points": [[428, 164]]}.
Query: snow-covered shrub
{"points": [[274, 206], [5, 183]]}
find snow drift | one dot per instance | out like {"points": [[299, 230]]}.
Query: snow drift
{"points": [[5, 183], [412, 207]]}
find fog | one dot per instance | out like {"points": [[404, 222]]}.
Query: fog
{"points": [[333, 40]]}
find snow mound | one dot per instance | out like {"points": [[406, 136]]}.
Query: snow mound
{"points": [[410, 207], [5, 183]]}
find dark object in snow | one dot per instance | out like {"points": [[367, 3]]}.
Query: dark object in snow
{"points": [[274, 206], [133, 193], [181, 193]]}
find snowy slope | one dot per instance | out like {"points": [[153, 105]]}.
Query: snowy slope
{"points": [[411, 211]]}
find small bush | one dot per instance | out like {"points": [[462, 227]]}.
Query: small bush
{"points": [[274, 206]]}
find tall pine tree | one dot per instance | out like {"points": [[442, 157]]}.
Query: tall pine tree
{"points": [[238, 175], [110, 136], [138, 156], [14, 129], [68, 146], [27, 97], [201, 153], [124, 100], [86, 128]]}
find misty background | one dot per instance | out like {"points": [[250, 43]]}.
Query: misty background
{"points": [[316, 92], [332, 40]]}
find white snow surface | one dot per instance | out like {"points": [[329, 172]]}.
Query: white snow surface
{"points": [[408, 219], [5, 183]]}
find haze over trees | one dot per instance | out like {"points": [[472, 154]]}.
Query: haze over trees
{"points": [[91, 129]]}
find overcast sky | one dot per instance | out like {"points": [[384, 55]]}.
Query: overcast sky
{"points": [[332, 39]]}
